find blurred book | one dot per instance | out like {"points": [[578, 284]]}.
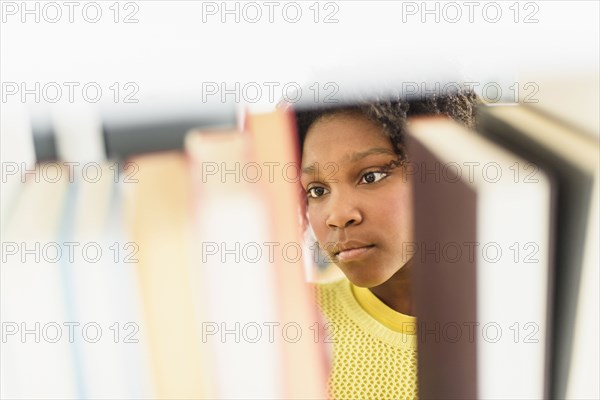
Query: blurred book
{"points": [[38, 360], [483, 247], [102, 290], [572, 157], [157, 210], [231, 280], [259, 308], [274, 142]]}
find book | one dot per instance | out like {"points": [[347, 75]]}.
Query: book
{"points": [[38, 359], [261, 319], [572, 157], [102, 289], [274, 143], [156, 211], [232, 280], [482, 247]]}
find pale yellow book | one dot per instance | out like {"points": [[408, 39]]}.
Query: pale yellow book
{"points": [[157, 210]]}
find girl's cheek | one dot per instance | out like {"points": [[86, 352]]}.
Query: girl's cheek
{"points": [[316, 221], [311, 217]]}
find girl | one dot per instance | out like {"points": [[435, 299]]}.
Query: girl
{"points": [[359, 205]]}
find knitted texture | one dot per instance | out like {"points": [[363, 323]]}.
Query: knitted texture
{"points": [[370, 361]]}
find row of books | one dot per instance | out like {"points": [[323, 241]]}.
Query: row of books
{"points": [[134, 287], [513, 211], [182, 273]]}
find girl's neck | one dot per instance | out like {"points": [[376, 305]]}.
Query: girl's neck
{"points": [[396, 292]]}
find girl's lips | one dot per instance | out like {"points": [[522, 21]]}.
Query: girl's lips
{"points": [[352, 254]]}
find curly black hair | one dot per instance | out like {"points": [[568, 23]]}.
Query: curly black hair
{"points": [[393, 113]]}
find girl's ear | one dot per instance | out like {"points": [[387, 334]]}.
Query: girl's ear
{"points": [[316, 260]]}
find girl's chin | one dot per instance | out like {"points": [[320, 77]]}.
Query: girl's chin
{"points": [[369, 276], [369, 281]]}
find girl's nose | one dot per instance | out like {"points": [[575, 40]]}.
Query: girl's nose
{"points": [[342, 212]]}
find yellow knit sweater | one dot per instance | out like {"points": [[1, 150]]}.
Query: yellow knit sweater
{"points": [[374, 347]]}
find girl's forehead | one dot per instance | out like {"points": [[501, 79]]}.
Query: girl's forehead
{"points": [[345, 137]]}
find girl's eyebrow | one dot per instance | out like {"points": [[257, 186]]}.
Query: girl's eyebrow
{"points": [[375, 150], [311, 169]]}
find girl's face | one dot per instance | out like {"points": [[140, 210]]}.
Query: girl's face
{"points": [[359, 208]]}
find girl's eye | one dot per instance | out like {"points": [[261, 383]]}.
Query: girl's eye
{"points": [[373, 176], [316, 191]]}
